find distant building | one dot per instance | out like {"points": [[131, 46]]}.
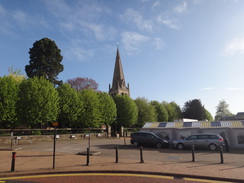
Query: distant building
{"points": [[238, 116], [118, 84]]}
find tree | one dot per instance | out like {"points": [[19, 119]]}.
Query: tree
{"points": [[222, 110], [38, 102], [70, 106], [45, 61], [83, 83], [194, 109], [127, 111], [91, 117], [107, 108], [16, 74], [9, 89], [208, 115], [173, 110], [161, 112], [146, 112]]}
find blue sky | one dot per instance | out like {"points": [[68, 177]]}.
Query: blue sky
{"points": [[171, 50]]}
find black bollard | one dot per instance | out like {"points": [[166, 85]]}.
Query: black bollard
{"points": [[221, 154], [141, 155], [116, 154], [193, 153], [88, 157], [13, 161]]}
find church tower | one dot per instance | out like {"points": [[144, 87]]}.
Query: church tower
{"points": [[118, 85]]}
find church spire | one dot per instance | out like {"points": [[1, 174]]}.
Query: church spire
{"points": [[118, 83]]}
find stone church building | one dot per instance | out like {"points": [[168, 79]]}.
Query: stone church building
{"points": [[118, 84]]}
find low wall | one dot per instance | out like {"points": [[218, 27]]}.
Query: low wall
{"points": [[28, 139]]}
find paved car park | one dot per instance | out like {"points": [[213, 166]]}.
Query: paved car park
{"points": [[37, 158]]}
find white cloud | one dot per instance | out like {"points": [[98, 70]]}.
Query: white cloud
{"points": [[2, 10], [133, 41], [180, 8], [235, 46], [82, 16], [78, 54], [207, 88], [233, 89], [136, 18], [158, 43], [156, 4], [169, 22], [21, 18]]}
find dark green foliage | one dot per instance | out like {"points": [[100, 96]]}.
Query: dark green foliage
{"points": [[9, 88], [71, 106], [161, 112], [107, 108], [45, 61], [127, 111], [38, 102], [146, 112], [194, 109]]}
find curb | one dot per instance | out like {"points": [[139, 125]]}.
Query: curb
{"points": [[175, 176]]}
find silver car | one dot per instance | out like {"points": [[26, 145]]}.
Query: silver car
{"points": [[211, 141]]}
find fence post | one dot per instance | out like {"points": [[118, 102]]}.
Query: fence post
{"points": [[13, 161], [141, 155], [116, 154], [88, 157], [193, 153], [221, 155]]}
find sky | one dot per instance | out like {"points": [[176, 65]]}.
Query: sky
{"points": [[171, 50]]}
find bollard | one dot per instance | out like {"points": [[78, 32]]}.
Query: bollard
{"points": [[88, 157], [124, 139], [193, 153], [221, 154], [13, 161], [141, 155], [116, 154]]}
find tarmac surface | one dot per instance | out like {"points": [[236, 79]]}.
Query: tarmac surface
{"points": [[34, 163]]}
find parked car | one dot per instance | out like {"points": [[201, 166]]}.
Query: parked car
{"points": [[148, 139], [211, 141]]}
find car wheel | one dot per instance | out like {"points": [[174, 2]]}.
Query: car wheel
{"points": [[180, 146], [159, 145], [212, 147], [135, 144]]}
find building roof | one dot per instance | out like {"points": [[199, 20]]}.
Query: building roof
{"points": [[118, 83], [197, 124]]}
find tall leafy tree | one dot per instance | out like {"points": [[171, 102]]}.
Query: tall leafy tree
{"points": [[45, 61], [70, 105], [9, 89], [161, 112], [173, 110], [222, 110], [146, 112], [127, 111], [91, 116], [38, 102], [107, 108], [194, 109], [80, 83]]}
